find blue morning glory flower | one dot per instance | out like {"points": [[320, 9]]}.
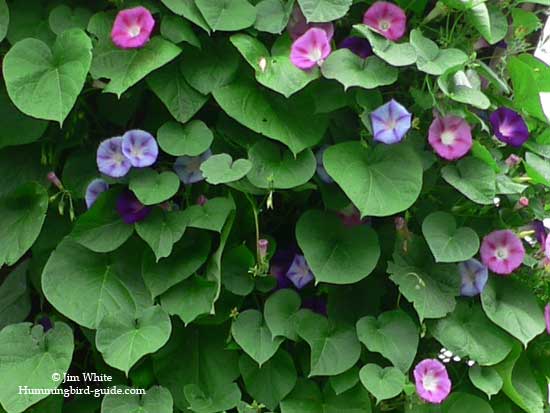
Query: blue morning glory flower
{"points": [[390, 122]]}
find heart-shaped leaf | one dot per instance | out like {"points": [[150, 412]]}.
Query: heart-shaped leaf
{"points": [[222, 398], [324, 10], [447, 242], [189, 10], [336, 254], [43, 82], [433, 60], [156, 400], [485, 379], [212, 215], [489, 21], [64, 18], [473, 178], [15, 297], [152, 188], [278, 311], [161, 230], [191, 139], [396, 54], [460, 92], [227, 15], [221, 169], [384, 383], [465, 402]]}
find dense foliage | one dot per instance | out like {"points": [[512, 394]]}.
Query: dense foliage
{"points": [[274, 206]]}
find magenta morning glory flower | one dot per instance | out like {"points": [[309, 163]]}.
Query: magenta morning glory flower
{"points": [[474, 277], [509, 127], [547, 317], [132, 28], [432, 381], [358, 45], [321, 171], [94, 189], [387, 19], [450, 137], [390, 122], [297, 25], [188, 168], [140, 148], [130, 209], [299, 272], [502, 251], [310, 49], [110, 159]]}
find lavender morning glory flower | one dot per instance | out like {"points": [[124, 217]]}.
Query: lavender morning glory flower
{"points": [[188, 168], [132, 28], [509, 127], [311, 49], [94, 189], [299, 272], [321, 171], [390, 122], [140, 148], [130, 209], [110, 159], [432, 381], [474, 277], [358, 45]]}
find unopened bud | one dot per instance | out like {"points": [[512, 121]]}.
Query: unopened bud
{"points": [[52, 177], [201, 200], [512, 160], [262, 248]]}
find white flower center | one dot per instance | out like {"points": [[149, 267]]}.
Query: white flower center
{"points": [[118, 158], [430, 382], [384, 25], [315, 54], [134, 30], [502, 253], [448, 138]]}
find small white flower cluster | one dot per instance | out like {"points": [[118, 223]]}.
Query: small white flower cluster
{"points": [[446, 356]]}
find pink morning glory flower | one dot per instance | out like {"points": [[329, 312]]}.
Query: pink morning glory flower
{"points": [[358, 45], [390, 122], [387, 19], [450, 137], [502, 251], [94, 189], [474, 277], [188, 168], [310, 49], [297, 24], [321, 171], [432, 381], [140, 148], [547, 317], [132, 28], [509, 127], [299, 272], [130, 209], [110, 159]]}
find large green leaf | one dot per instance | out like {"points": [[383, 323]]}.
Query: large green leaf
{"points": [[451, 85], [464, 402], [189, 10], [151, 187], [433, 60], [383, 383], [191, 139], [222, 169], [22, 213], [371, 180], [32, 358], [161, 230], [156, 400], [473, 178], [396, 54], [279, 309], [15, 299], [224, 398], [212, 215], [485, 379], [43, 82], [489, 21], [272, 15], [4, 19], [177, 30], [324, 10], [227, 15], [63, 18]]}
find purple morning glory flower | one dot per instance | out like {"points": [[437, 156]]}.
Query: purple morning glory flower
{"points": [[46, 323], [474, 277], [316, 304], [450, 137], [188, 168], [390, 122], [299, 272], [279, 265], [540, 231], [140, 148], [502, 251], [386, 18], [358, 45], [432, 381], [110, 159], [94, 189], [132, 28], [130, 209], [547, 317], [509, 127], [311, 49], [321, 171]]}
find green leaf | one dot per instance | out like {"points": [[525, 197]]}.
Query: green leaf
{"points": [[189, 10], [4, 19], [274, 70], [212, 215], [473, 178], [272, 382], [83, 285], [221, 169], [387, 334], [161, 230], [290, 121], [29, 19], [462, 93], [489, 21], [123, 339], [177, 30], [447, 242], [279, 309], [221, 399], [156, 400], [22, 213], [468, 332], [272, 15], [190, 298], [537, 169], [64, 18], [251, 333], [30, 357], [275, 167], [513, 307], [334, 346], [101, 229], [485, 379], [336, 253], [431, 59], [43, 82], [191, 139], [344, 381], [324, 10], [464, 402], [151, 187], [227, 15], [396, 54], [384, 383], [235, 267], [15, 298], [19, 166], [351, 70], [371, 180], [481, 152]]}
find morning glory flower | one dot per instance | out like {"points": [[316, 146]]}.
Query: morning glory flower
{"points": [[140, 148], [351, 217], [110, 159], [321, 171], [279, 265], [299, 272], [387, 19], [390, 122], [94, 189], [509, 127], [358, 45], [450, 137], [502, 251], [132, 28], [432, 381], [188, 168], [512, 160], [310, 49], [474, 277], [540, 231], [547, 317], [297, 25], [130, 209]]}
